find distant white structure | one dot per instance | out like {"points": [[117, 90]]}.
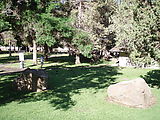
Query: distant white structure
{"points": [[123, 56], [59, 49], [124, 61], [6, 48]]}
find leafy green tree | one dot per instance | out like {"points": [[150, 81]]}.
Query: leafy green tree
{"points": [[93, 18], [136, 25], [51, 25], [44, 35]]}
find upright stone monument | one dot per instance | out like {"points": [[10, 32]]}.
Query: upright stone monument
{"points": [[21, 59]]}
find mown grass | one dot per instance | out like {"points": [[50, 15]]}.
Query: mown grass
{"points": [[54, 60], [5, 59], [76, 93]]}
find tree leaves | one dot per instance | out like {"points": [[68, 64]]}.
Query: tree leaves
{"points": [[136, 26]]}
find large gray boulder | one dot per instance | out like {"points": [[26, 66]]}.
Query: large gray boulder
{"points": [[32, 80], [133, 93]]}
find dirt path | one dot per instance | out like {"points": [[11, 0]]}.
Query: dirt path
{"points": [[9, 70]]}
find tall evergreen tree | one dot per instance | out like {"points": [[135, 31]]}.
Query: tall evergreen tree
{"points": [[136, 25], [93, 18]]}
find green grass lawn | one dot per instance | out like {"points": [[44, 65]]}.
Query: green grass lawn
{"points": [[76, 93], [5, 59], [55, 60]]}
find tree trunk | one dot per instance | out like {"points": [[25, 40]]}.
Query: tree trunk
{"points": [[46, 52], [29, 48], [79, 14], [14, 48], [77, 61], [18, 48], [41, 49], [10, 53], [26, 49], [50, 49], [34, 53]]}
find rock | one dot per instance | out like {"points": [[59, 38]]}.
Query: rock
{"points": [[32, 80], [133, 93]]}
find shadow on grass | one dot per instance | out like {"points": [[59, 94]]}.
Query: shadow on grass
{"points": [[12, 59], [68, 59], [1, 71], [153, 78], [7, 94], [63, 84], [62, 59]]}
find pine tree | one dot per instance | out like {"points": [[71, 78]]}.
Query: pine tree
{"points": [[136, 25]]}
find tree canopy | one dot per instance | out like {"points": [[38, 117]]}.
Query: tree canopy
{"points": [[86, 26], [137, 27]]}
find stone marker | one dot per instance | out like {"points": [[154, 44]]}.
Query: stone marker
{"points": [[32, 80], [133, 93]]}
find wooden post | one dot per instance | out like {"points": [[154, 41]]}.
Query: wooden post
{"points": [[34, 53]]}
